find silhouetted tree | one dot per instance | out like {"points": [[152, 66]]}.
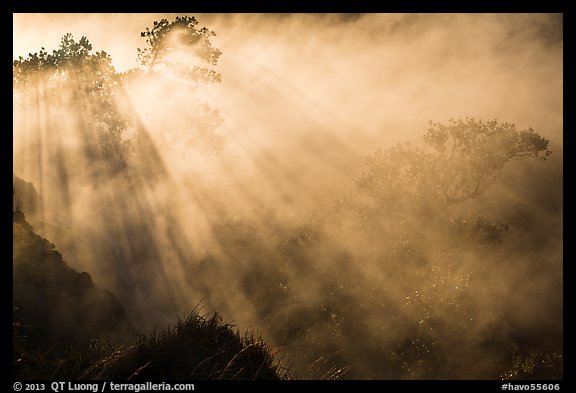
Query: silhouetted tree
{"points": [[72, 61], [180, 56], [177, 46], [465, 159], [75, 81], [78, 81]]}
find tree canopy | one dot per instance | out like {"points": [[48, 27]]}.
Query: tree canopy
{"points": [[72, 62], [464, 158], [84, 84], [181, 47]]}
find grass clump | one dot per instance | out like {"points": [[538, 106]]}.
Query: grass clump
{"points": [[198, 347]]}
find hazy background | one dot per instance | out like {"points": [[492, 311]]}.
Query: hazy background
{"points": [[304, 99]]}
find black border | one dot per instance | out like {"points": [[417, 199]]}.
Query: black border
{"points": [[284, 6]]}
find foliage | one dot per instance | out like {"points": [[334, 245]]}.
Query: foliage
{"points": [[198, 347], [175, 44], [180, 57], [392, 265], [471, 154], [73, 80], [72, 62], [528, 365], [465, 159], [29, 363]]}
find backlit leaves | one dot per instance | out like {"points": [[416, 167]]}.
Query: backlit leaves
{"points": [[183, 38]]}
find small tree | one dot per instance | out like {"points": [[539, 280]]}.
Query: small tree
{"points": [[471, 154], [71, 65], [179, 57], [179, 45], [74, 80], [465, 158]]}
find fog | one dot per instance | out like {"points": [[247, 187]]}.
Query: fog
{"points": [[259, 220]]}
